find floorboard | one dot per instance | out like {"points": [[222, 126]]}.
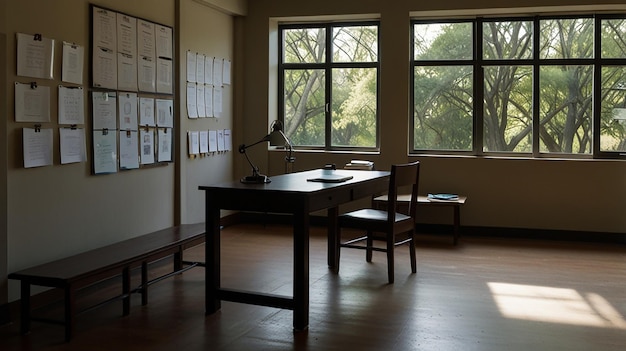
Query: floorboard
{"points": [[484, 294]]}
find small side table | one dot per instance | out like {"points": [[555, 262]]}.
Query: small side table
{"points": [[403, 201]]}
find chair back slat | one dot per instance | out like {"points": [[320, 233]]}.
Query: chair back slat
{"points": [[402, 175]]}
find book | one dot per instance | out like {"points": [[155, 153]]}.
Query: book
{"points": [[330, 178], [443, 197], [360, 164]]}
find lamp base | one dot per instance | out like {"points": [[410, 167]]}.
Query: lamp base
{"points": [[256, 179]]}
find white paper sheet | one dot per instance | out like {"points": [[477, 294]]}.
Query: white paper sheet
{"points": [[194, 143], [208, 100], [104, 69], [208, 70], [37, 146], [127, 103], [73, 61], [226, 72], [164, 149], [204, 141], [126, 72], [32, 103], [71, 105], [228, 141], [146, 39], [217, 101], [35, 56], [127, 35], [218, 72], [200, 100], [129, 149], [104, 152], [146, 147], [146, 74], [220, 140], [163, 41], [192, 107], [165, 113], [200, 58], [164, 76], [72, 145], [212, 140], [191, 67], [146, 111], [104, 110]]}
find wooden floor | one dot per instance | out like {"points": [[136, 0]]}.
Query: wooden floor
{"points": [[484, 294]]}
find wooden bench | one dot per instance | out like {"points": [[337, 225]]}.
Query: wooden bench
{"points": [[79, 271], [403, 201]]}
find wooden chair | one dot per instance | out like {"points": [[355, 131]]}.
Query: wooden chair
{"points": [[386, 225]]}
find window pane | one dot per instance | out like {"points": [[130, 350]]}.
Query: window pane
{"points": [[355, 44], [566, 38], [354, 107], [507, 40], [443, 41], [614, 38], [508, 108], [565, 109], [443, 108], [613, 115], [304, 107], [305, 45]]}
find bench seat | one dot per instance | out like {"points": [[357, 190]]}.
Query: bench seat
{"points": [[84, 269]]}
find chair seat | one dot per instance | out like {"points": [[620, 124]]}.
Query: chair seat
{"points": [[368, 214]]}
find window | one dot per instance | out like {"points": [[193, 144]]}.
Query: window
{"points": [[520, 86], [328, 81]]}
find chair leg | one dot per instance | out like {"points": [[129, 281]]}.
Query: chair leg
{"points": [[337, 251], [368, 251], [412, 248], [390, 257]]}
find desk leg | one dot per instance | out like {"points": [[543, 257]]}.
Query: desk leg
{"points": [[332, 215], [457, 223], [25, 307], [301, 270], [69, 312], [212, 258]]}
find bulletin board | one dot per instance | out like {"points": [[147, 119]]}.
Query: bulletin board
{"points": [[131, 92]]}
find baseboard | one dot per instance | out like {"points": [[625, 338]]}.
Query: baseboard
{"points": [[478, 231]]}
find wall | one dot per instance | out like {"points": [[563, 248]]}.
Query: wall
{"points": [[60, 210], [3, 165], [208, 30], [578, 195]]}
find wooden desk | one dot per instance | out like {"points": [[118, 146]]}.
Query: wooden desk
{"points": [[292, 194], [403, 201]]}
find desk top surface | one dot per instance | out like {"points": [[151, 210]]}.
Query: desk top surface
{"points": [[297, 182]]}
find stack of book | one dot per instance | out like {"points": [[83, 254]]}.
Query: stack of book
{"points": [[360, 164], [443, 197]]}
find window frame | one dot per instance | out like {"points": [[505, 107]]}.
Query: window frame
{"points": [[597, 63], [328, 65]]}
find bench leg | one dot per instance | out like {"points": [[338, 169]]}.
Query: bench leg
{"points": [[25, 307], [457, 223], [144, 283], [178, 259], [126, 291], [69, 312]]}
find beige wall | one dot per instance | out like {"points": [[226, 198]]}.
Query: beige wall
{"points": [[3, 159], [208, 31], [585, 195], [52, 212]]}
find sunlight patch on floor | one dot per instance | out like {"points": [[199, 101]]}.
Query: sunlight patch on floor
{"points": [[555, 305]]}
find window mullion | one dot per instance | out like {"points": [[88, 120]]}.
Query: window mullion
{"points": [[536, 89]]}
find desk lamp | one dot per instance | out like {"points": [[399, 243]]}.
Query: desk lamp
{"points": [[275, 137]]}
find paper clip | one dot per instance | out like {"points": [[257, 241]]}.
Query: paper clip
{"points": [[73, 127], [37, 128], [105, 131], [37, 37], [33, 85], [128, 133]]}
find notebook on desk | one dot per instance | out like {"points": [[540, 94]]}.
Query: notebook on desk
{"points": [[330, 178]]}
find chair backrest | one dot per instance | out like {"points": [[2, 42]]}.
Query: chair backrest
{"points": [[402, 176]]}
